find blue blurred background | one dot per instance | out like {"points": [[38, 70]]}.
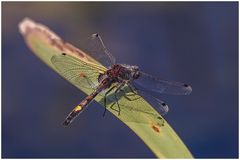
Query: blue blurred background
{"points": [[196, 43]]}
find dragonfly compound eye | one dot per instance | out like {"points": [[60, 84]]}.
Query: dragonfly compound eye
{"points": [[136, 75]]}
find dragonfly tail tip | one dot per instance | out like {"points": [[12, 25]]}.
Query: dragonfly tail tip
{"points": [[66, 123]]}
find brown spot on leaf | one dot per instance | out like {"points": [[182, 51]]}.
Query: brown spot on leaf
{"points": [[69, 47], [74, 49], [155, 128], [57, 43]]}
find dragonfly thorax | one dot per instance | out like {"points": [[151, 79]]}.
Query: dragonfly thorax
{"points": [[120, 73]]}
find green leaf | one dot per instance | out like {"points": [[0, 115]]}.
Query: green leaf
{"points": [[139, 116]]}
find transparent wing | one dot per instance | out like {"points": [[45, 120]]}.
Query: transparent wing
{"points": [[96, 49], [82, 74], [158, 104], [147, 82], [131, 103]]}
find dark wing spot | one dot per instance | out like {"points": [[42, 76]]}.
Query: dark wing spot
{"points": [[185, 85], [64, 54], [94, 35], [163, 104], [82, 74]]}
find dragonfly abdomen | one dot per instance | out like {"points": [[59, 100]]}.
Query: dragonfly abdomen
{"points": [[79, 108]]}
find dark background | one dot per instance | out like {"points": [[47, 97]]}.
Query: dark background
{"points": [[196, 43]]}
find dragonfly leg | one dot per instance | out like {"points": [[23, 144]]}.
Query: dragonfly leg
{"points": [[132, 88], [114, 108], [105, 100], [133, 93], [117, 110], [132, 99], [119, 88]]}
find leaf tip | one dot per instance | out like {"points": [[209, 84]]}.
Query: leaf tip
{"points": [[25, 24]]}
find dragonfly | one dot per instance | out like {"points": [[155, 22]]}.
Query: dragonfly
{"points": [[114, 81]]}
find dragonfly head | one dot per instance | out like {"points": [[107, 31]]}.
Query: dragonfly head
{"points": [[135, 72]]}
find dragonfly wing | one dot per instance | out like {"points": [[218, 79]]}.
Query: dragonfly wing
{"points": [[131, 104], [161, 106], [147, 82], [96, 49], [78, 72]]}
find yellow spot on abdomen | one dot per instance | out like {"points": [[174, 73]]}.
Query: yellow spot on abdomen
{"points": [[78, 108]]}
